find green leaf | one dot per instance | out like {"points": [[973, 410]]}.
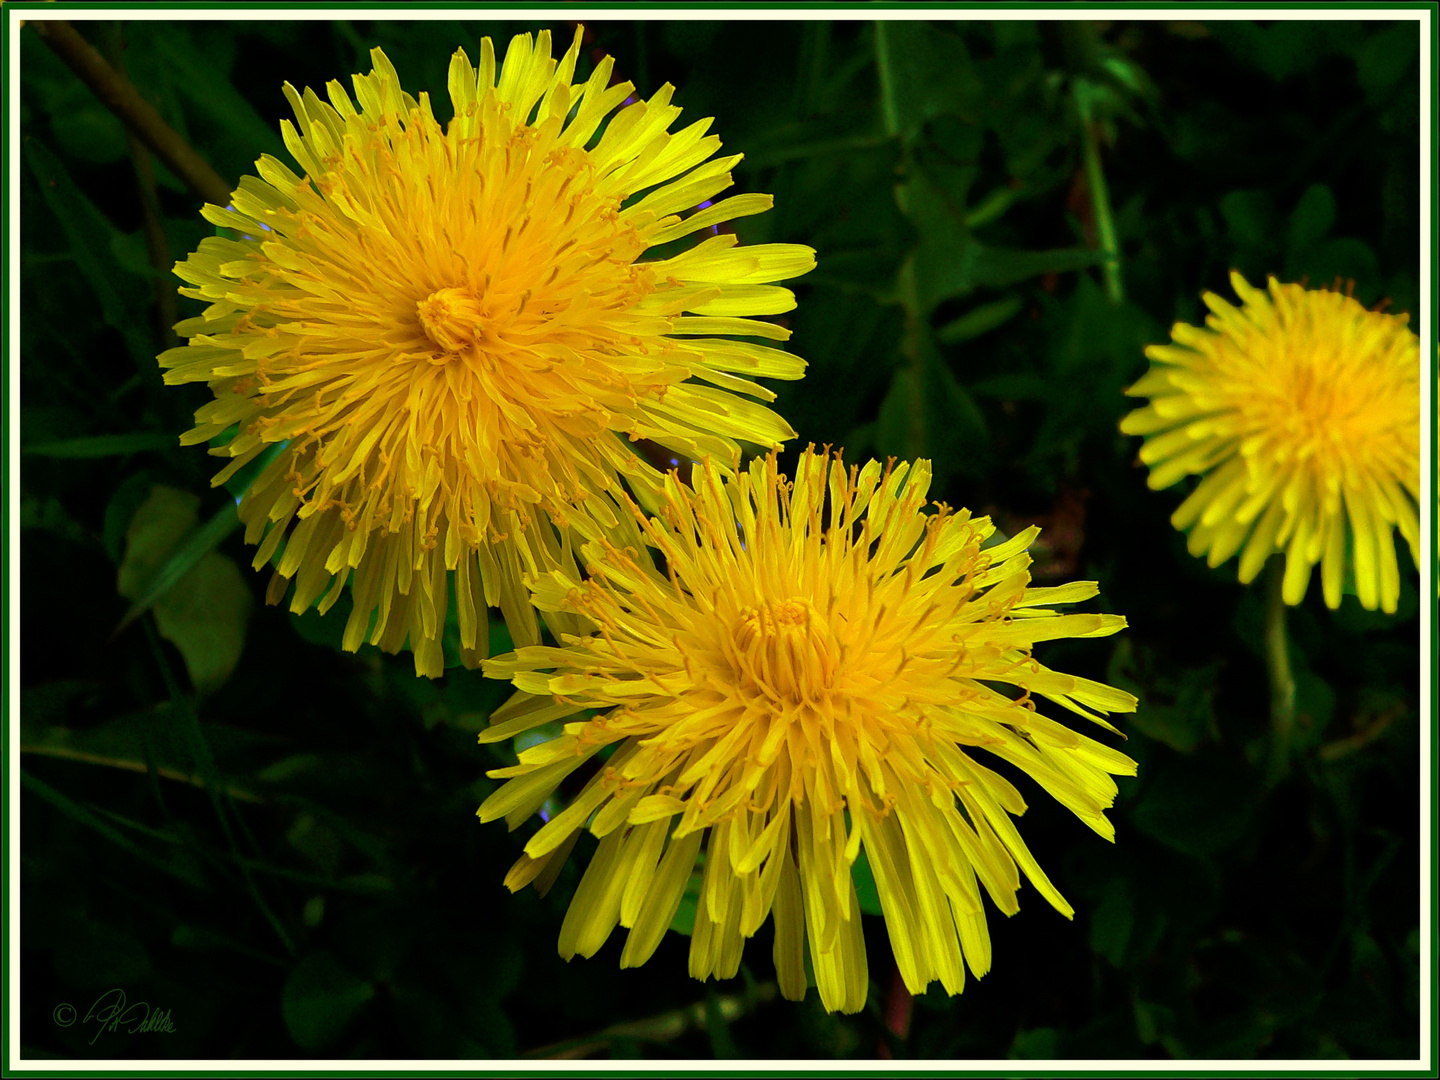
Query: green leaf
{"points": [[927, 414], [327, 629], [120, 511], [131, 252], [1036, 1044], [89, 132], [1311, 219], [1198, 804], [1286, 47], [96, 446], [210, 93], [1344, 258], [179, 868], [1113, 921], [138, 743], [1014, 386], [950, 156], [1252, 220], [1176, 706], [90, 236], [722, 1043], [320, 1000], [980, 320], [996, 268], [928, 74], [1153, 1023], [1386, 58], [865, 888], [52, 516], [684, 920], [99, 956], [200, 599], [1314, 708], [949, 261]]}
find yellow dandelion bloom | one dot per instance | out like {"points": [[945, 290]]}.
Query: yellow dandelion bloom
{"points": [[450, 331], [791, 691], [1301, 411]]}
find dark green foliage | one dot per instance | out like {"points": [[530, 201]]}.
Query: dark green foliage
{"points": [[290, 864]]}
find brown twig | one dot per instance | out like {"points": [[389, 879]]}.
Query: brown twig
{"points": [[119, 95]]}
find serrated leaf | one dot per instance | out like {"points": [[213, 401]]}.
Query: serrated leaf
{"points": [[950, 261]]}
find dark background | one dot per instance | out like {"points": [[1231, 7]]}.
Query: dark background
{"points": [[288, 861]]}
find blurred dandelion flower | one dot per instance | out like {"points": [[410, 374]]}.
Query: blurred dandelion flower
{"points": [[450, 332], [787, 694], [1301, 410]]}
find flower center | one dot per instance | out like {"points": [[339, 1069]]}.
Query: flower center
{"points": [[451, 318], [786, 650]]}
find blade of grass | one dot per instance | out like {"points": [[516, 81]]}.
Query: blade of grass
{"points": [[67, 753], [219, 799], [1099, 192], [85, 816], [97, 446]]}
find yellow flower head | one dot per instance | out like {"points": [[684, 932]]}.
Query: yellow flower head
{"points": [[798, 687], [1301, 410], [450, 331]]}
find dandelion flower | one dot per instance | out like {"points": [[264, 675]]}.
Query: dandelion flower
{"points": [[789, 693], [1301, 411], [450, 331]]}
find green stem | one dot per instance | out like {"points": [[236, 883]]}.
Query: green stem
{"points": [[1099, 193], [905, 287], [1277, 664], [888, 111], [907, 293]]}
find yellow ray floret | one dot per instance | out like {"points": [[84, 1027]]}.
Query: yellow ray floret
{"points": [[450, 331], [798, 687], [1301, 411]]}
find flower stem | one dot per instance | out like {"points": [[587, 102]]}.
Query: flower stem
{"points": [[1277, 664], [1099, 193]]}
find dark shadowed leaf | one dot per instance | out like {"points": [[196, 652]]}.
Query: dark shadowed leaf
{"points": [[320, 999]]}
